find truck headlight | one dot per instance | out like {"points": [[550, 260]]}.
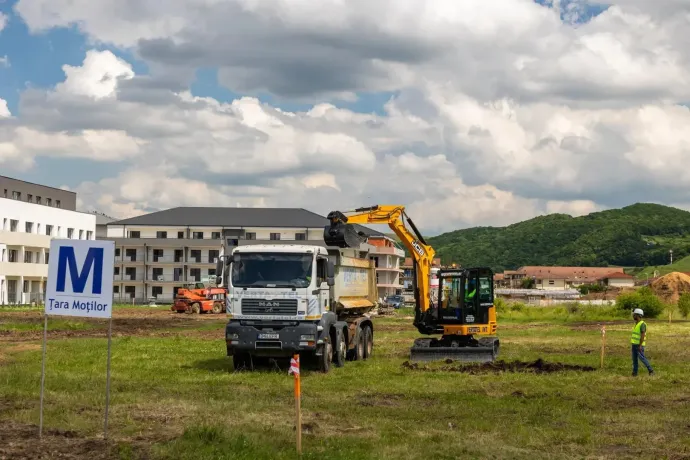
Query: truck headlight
{"points": [[232, 336], [306, 338]]}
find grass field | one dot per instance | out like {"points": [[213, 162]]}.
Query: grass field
{"points": [[174, 394]]}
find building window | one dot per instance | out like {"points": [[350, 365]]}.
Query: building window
{"points": [[47, 257], [13, 255], [552, 282], [49, 230], [213, 254], [116, 271], [81, 234], [180, 235], [134, 234], [57, 204], [300, 236], [211, 272], [162, 235], [130, 290], [16, 195], [29, 227], [38, 200], [132, 254], [28, 257], [195, 255], [89, 234], [195, 274], [29, 198], [70, 233], [13, 225], [117, 252], [215, 235], [275, 236], [25, 286], [157, 291], [116, 289], [5, 195], [198, 235], [49, 201], [250, 236]]}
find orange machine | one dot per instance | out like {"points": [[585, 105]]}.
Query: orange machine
{"points": [[200, 299]]}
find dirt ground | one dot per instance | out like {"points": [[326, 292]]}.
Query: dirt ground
{"points": [[140, 322], [539, 367], [19, 441]]}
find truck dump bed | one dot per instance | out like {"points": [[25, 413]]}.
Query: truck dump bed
{"points": [[355, 290]]}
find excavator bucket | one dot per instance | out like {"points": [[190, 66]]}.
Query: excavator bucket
{"points": [[485, 352], [341, 234]]}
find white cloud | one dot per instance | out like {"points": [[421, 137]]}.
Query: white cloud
{"points": [[4, 61], [502, 111], [3, 21], [4, 110]]}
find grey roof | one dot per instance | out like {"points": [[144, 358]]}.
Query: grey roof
{"points": [[234, 217]]}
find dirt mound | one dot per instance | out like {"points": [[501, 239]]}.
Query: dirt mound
{"points": [[670, 287], [538, 367]]}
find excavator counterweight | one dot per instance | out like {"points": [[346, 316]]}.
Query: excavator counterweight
{"points": [[463, 306]]}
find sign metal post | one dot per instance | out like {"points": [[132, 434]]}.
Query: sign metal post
{"points": [[80, 283]]}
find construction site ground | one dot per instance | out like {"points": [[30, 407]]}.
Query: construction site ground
{"points": [[174, 393]]}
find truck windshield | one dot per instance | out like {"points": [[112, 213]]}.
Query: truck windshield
{"points": [[272, 270]]}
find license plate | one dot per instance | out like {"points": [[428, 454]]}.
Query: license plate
{"points": [[473, 329], [269, 336]]}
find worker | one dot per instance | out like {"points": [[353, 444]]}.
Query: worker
{"points": [[638, 341], [470, 291]]}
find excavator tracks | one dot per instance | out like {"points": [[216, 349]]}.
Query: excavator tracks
{"points": [[486, 350]]}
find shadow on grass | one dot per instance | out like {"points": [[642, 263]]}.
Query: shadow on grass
{"points": [[225, 364]]}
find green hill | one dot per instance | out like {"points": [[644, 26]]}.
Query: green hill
{"points": [[635, 236]]}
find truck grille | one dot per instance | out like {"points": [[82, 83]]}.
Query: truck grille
{"points": [[278, 307]]}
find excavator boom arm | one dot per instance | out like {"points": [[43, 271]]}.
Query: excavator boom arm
{"points": [[392, 215]]}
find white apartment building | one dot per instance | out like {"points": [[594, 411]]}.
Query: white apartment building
{"points": [[25, 234], [157, 253], [388, 258]]}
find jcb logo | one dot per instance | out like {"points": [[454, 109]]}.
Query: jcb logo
{"points": [[417, 247]]}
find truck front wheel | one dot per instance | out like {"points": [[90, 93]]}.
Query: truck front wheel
{"points": [[326, 356]]}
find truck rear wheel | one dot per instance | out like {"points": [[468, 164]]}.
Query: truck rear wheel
{"points": [[360, 346], [196, 308], [241, 361], [368, 342], [217, 307], [340, 349]]}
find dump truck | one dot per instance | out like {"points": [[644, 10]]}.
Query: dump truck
{"points": [[286, 299]]}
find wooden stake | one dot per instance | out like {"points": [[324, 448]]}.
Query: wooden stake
{"points": [[603, 346]]}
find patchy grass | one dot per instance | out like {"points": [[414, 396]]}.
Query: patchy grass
{"points": [[174, 394]]}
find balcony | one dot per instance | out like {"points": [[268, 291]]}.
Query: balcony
{"points": [[164, 260], [389, 250], [165, 278], [201, 260], [126, 277], [35, 270]]}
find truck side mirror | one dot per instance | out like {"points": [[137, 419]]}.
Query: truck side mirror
{"points": [[220, 265], [330, 273]]}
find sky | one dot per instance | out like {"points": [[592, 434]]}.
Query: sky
{"points": [[472, 113]]}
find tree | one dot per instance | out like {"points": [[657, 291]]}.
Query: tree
{"points": [[684, 304], [645, 299]]}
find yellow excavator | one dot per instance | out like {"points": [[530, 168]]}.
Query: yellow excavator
{"points": [[463, 306]]}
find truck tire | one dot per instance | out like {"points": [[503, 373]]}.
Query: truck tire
{"points": [[195, 308], [368, 342], [217, 307], [340, 352], [326, 356], [241, 361], [360, 346]]}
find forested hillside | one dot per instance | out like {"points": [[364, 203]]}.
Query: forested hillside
{"points": [[637, 235]]}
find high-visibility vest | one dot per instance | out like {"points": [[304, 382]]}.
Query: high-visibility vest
{"points": [[636, 333]]}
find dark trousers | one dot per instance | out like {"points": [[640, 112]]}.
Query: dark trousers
{"points": [[638, 353]]}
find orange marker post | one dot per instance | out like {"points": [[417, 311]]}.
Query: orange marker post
{"points": [[294, 369]]}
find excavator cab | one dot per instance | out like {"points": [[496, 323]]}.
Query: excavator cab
{"points": [[467, 295]]}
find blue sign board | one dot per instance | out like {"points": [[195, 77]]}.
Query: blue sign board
{"points": [[80, 278]]}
